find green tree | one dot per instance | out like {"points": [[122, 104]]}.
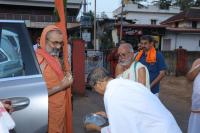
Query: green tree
{"points": [[106, 40], [184, 4], [163, 4], [197, 3], [104, 15], [134, 1], [90, 14]]}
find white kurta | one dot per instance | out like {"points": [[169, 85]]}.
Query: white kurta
{"points": [[194, 121], [131, 108], [132, 73]]}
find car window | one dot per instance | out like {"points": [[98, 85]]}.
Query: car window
{"points": [[11, 63], [3, 57]]}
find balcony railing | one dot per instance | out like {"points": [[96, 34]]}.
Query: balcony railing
{"points": [[34, 18]]}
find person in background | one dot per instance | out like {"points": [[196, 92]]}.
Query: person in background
{"points": [[37, 44], [181, 61], [194, 75], [113, 59], [56, 79], [154, 61], [128, 68], [139, 48], [130, 107]]}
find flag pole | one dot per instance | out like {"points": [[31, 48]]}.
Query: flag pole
{"points": [[95, 47]]}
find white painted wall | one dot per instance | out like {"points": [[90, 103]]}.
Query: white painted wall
{"points": [[150, 8], [172, 37], [144, 15], [188, 41], [184, 24], [145, 18]]}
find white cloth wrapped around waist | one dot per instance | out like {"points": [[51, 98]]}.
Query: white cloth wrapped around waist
{"points": [[196, 94], [6, 121], [105, 130]]}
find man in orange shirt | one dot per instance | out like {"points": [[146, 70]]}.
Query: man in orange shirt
{"points": [[57, 81]]}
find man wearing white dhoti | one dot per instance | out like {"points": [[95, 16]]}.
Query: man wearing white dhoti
{"points": [[130, 107], [194, 121], [6, 122]]}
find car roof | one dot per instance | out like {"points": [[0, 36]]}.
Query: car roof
{"points": [[11, 21]]}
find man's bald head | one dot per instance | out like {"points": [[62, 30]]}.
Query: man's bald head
{"points": [[126, 46]]}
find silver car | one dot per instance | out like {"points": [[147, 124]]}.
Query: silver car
{"points": [[21, 80]]}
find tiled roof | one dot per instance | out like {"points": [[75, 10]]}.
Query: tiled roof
{"points": [[183, 30], [191, 14], [142, 25]]}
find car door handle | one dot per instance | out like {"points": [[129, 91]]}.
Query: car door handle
{"points": [[18, 103]]}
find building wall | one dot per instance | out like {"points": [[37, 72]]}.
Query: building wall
{"points": [[41, 3], [145, 18], [189, 41], [150, 8], [190, 24], [143, 15], [172, 43], [170, 60], [184, 24], [26, 10]]}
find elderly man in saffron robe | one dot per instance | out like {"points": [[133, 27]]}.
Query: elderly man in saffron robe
{"points": [[57, 81]]}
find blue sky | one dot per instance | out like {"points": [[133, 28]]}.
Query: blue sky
{"points": [[104, 5]]}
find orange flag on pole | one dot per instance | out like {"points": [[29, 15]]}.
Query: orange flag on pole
{"points": [[59, 5]]}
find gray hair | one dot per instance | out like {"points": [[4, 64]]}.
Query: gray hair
{"points": [[97, 74], [128, 45]]}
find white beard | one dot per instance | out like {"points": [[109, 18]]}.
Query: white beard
{"points": [[55, 52], [125, 63]]}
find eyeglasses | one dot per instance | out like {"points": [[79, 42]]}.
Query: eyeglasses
{"points": [[122, 54], [56, 42]]}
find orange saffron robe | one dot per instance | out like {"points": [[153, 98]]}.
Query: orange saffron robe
{"points": [[60, 103]]}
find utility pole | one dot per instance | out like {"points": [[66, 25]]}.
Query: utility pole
{"points": [[95, 25], [84, 6], [121, 21]]}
